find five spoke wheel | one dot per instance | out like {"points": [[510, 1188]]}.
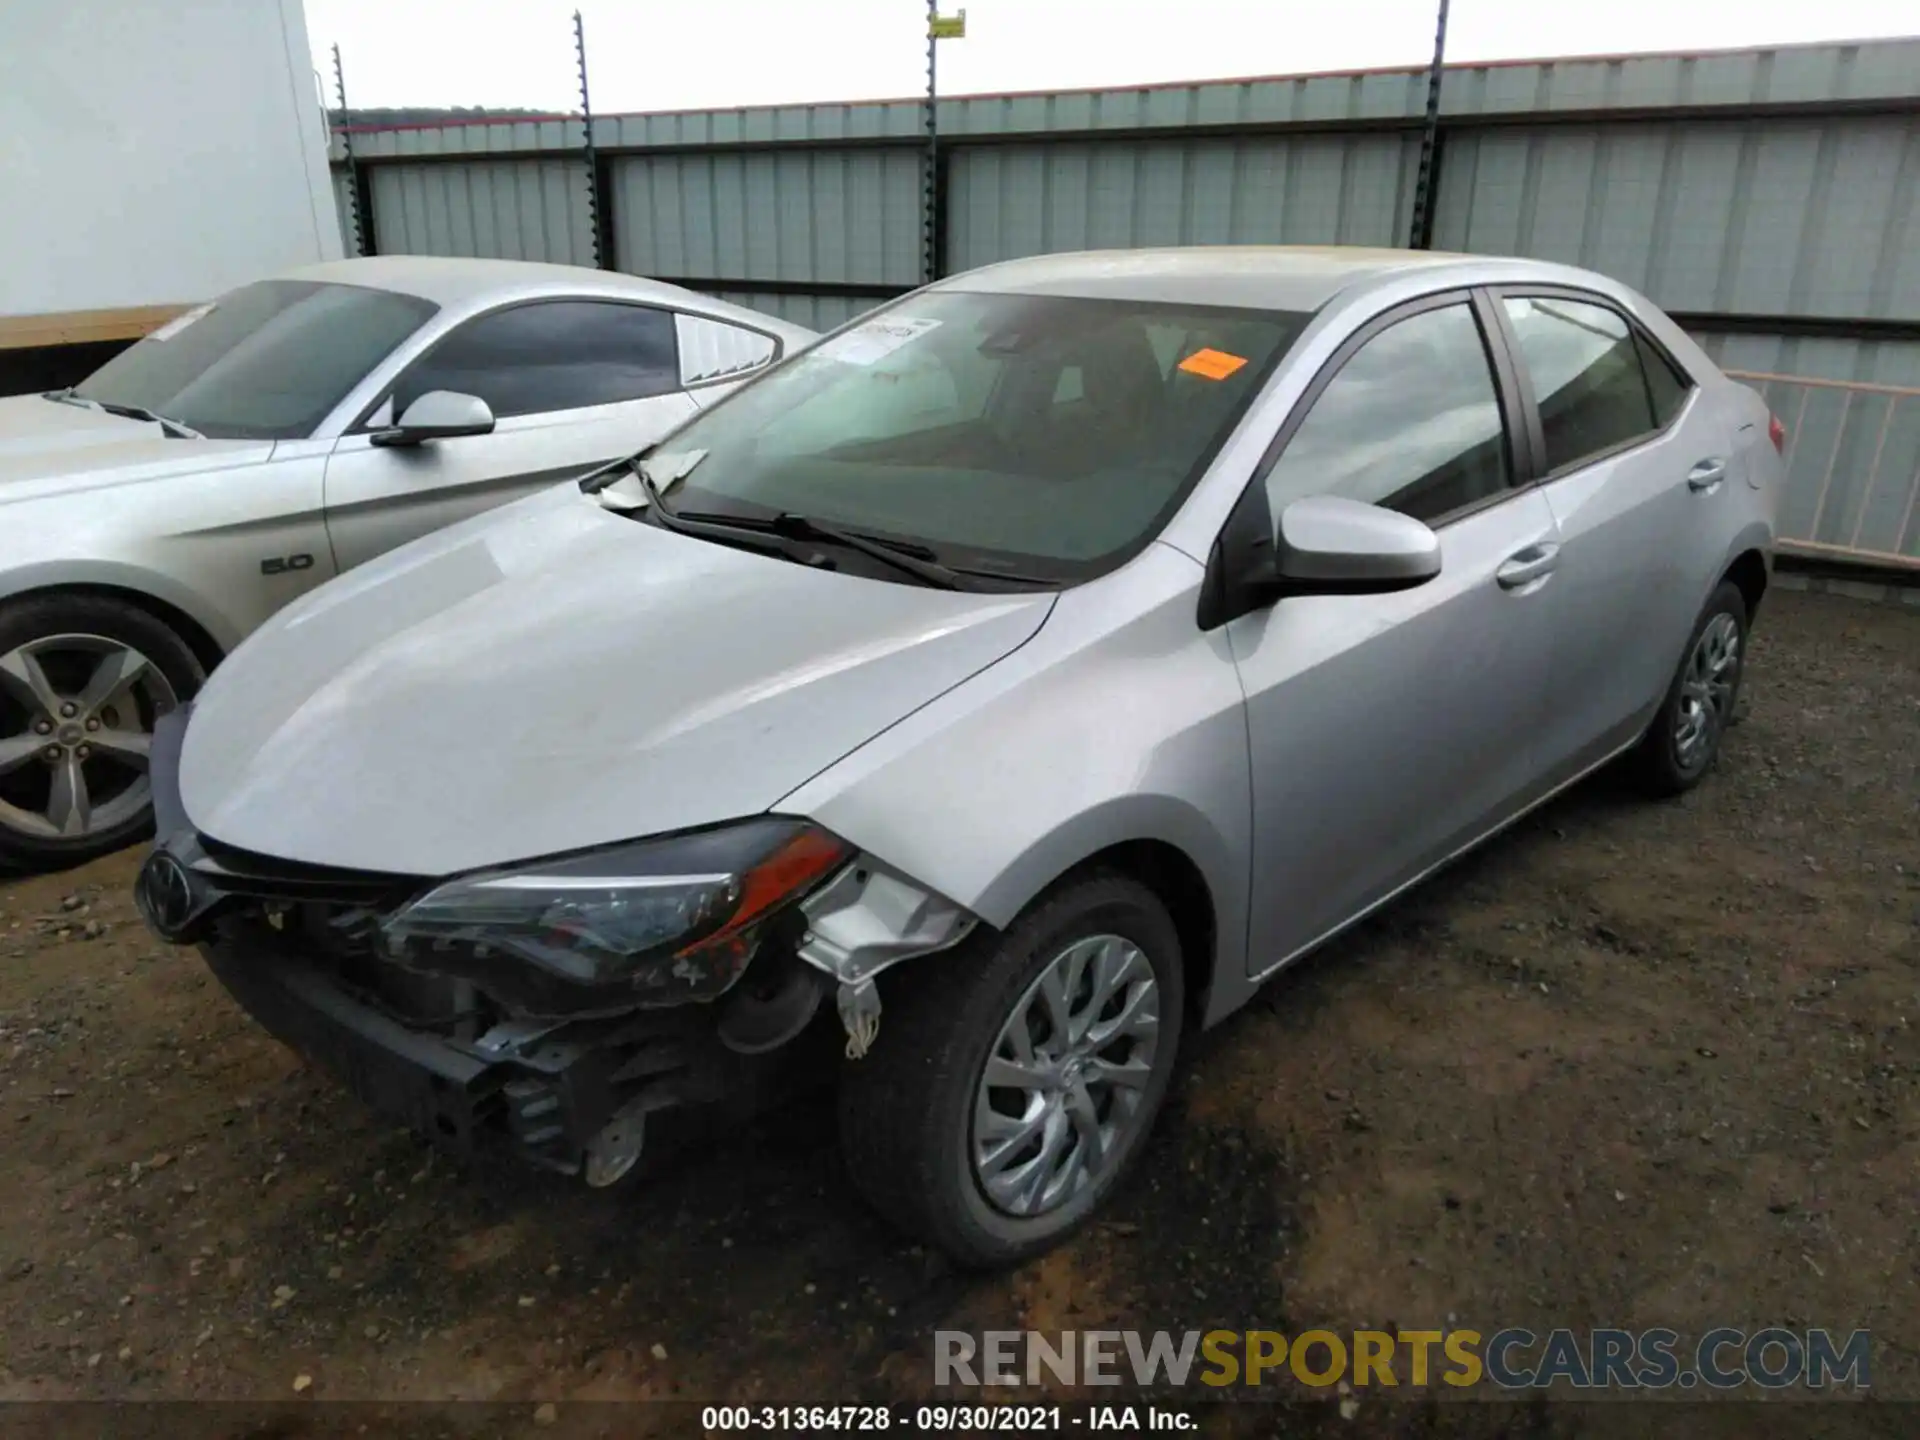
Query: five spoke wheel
{"points": [[76, 724]]}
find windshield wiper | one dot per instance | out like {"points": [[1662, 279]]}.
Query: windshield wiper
{"points": [[721, 528], [915, 560], [904, 555], [175, 429]]}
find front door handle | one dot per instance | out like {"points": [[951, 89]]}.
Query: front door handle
{"points": [[1707, 475], [1523, 567]]}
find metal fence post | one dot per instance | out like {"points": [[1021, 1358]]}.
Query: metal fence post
{"points": [[1425, 192], [929, 198], [597, 216], [359, 198]]}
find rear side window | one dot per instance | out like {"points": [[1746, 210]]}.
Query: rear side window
{"points": [[1667, 387], [714, 350], [1411, 421], [1588, 380], [553, 355]]}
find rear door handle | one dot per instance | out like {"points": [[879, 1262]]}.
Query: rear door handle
{"points": [[1707, 474], [1523, 567]]}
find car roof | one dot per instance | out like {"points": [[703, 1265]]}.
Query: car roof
{"points": [[463, 283], [1299, 278]]}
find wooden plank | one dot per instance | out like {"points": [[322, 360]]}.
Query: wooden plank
{"points": [[79, 327]]}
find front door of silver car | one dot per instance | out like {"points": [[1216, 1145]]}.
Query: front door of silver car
{"points": [[1388, 730], [570, 384]]}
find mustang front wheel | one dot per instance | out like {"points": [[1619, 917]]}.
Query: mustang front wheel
{"points": [[82, 679]]}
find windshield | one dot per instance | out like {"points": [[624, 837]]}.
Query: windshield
{"points": [[1035, 436], [267, 361]]}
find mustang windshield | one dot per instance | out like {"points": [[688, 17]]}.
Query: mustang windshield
{"points": [[1035, 436], [264, 362]]}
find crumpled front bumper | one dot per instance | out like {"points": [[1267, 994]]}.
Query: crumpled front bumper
{"points": [[541, 1095], [431, 1052]]}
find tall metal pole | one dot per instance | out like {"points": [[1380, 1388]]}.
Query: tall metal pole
{"points": [[1424, 196], [593, 161], [929, 219], [346, 144]]}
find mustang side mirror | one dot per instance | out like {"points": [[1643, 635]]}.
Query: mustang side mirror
{"points": [[437, 415], [1329, 545]]}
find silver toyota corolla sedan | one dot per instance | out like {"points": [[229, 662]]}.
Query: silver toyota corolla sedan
{"points": [[998, 692], [254, 447]]}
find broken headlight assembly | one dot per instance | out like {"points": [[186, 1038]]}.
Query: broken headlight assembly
{"points": [[655, 922]]}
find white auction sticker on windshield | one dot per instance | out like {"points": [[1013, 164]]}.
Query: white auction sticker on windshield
{"points": [[875, 340], [179, 322]]}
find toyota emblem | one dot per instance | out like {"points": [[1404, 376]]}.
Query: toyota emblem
{"points": [[165, 893]]}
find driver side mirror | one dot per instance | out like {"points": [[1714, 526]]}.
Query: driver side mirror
{"points": [[437, 415], [1330, 545]]}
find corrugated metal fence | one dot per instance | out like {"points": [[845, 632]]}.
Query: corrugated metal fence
{"points": [[1770, 199]]}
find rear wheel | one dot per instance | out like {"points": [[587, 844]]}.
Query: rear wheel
{"points": [[1684, 739], [82, 680], [1015, 1079]]}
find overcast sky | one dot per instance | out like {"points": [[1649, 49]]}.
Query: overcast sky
{"points": [[699, 54]]}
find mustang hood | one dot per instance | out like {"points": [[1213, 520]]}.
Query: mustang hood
{"points": [[47, 447], [555, 676]]}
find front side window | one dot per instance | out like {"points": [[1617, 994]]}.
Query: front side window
{"points": [[1411, 422], [552, 355], [1587, 379], [268, 361], [1032, 435]]}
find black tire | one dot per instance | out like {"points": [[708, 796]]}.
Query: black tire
{"points": [[906, 1108], [1657, 763], [23, 622]]}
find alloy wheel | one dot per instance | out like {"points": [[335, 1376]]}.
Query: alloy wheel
{"points": [[76, 729], [1706, 690], [1060, 1097]]}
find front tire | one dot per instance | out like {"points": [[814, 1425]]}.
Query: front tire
{"points": [[1683, 741], [1015, 1079], [82, 679]]}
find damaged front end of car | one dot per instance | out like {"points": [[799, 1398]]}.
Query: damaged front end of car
{"points": [[547, 1008]]}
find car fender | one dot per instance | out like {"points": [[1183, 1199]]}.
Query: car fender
{"points": [[137, 581], [1120, 721]]}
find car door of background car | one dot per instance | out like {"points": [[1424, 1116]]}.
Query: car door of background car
{"points": [[1388, 731], [1634, 464], [572, 384]]}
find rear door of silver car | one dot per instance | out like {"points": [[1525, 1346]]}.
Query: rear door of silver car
{"points": [[1635, 463]]}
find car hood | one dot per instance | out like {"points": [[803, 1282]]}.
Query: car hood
{"points": [[554, 677], [46, 447]]}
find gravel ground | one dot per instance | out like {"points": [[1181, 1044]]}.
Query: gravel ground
{"points": [[1630, 1065]]}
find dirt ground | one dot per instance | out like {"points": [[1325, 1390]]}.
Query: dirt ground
{"points": [[1631, 1065]]}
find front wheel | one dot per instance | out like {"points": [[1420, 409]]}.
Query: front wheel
{"points": [[1684, 739], [82, 679], [1015, 1079]]}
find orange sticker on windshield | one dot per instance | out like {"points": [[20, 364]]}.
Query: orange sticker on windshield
{"points": [[1212, 364]]}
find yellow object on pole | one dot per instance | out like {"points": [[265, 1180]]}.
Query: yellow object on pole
{"points": [[948, 27]]}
